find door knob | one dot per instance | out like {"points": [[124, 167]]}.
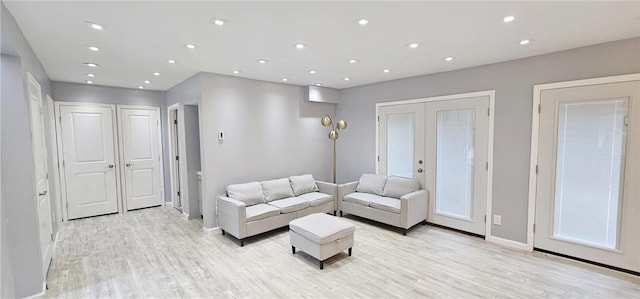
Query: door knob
{"points": [[130, 164], [419, 170], [420, 162], [110, 166], [42, 193]]}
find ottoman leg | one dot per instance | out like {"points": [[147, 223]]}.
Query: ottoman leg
{"points": [[241, 242], [293, 249], [321, 265], [334, 212], [223, 232], [340, 213], [350, 250]]}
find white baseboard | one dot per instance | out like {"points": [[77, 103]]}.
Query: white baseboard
{"points": [[509, 243], [214, 230], [55, 242], [185, 216], [38, 295]]}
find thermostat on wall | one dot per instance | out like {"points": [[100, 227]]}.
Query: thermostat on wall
{"points": [[220, 135]]}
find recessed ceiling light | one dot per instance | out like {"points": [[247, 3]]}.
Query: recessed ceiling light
{"points": [[140, 87], [387, 70], [262, 61], [353, 60], [508, 19], [524, 41], [318, 84], [91, 64], [91, 75], [413, 45], [94, 48], [95, 26], [171, 61], [347, 78], [156, 74], [312, 72], [285, 79], [448, 58], [89, 81], [299, 46], [147, 81], [363, 22], [218, 22], [236, 72], [190, 46]]}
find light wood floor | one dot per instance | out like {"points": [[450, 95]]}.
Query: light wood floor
{"points": [[155, 253]]}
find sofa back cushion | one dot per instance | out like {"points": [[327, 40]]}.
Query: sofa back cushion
{"points": [[371, 183], [397, 186], [276, 189], [249, 193], [302, 184]]}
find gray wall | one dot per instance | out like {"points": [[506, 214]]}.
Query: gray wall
{"points": [[85, 93], [270, 132], [513, 82], [19, 212]]}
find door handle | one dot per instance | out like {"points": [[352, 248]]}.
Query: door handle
{"points": [[43, 193], [419, 170], [420, 162], [110, 166], [130, 164]]}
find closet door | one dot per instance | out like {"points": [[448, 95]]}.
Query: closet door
{"points": [[88, 143], [140, 148]]}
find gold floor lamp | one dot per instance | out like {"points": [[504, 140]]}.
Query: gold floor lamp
{"points": [[333, 135]]}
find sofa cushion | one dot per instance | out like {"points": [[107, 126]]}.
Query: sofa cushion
{"points": [[316, 198], [371, 183], [249, 193], [302, 184], [360, 198], [388, 204], [261, 211], [276, 189], [321, 228], [290, 204], [397, 186]]}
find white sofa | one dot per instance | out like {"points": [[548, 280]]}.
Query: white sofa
{"points": [[391, 200], [253, 208]]}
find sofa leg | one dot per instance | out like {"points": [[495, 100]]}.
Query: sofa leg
{"points": [[404, 233], [223, 232], [350, 250], [321, 265], [293, 249], [334, 212], [340, 213], [424, 222], [241, 242]]}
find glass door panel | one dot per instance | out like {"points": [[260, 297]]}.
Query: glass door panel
{"points": [[400, 136]]}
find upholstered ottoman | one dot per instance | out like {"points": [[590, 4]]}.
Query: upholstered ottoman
{"points": [[321, 236]]}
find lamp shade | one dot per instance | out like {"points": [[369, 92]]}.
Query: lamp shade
{"points": [[333, 135], [326, 120], [341, 125]]}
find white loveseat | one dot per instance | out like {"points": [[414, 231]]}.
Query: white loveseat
{"points": [[252, 208], [392, 200]]}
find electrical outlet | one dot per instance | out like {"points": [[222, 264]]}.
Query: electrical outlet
{"points": [[497, 219]]}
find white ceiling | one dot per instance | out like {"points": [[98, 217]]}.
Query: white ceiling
{"points": [[141, 36]]}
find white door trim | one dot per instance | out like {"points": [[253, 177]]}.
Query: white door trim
{"points": [[535, 125], [492, 96], [172, 171], [56, 161], [121, 160], [62, 200]]}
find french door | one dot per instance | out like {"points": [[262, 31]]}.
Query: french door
{"points": [[444, 144], [587, 193]]}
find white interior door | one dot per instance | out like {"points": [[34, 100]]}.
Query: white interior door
{"points": [[88, 151], [457, 133], [40, 171], [140, 146], [588, 190], [400, 140]]}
